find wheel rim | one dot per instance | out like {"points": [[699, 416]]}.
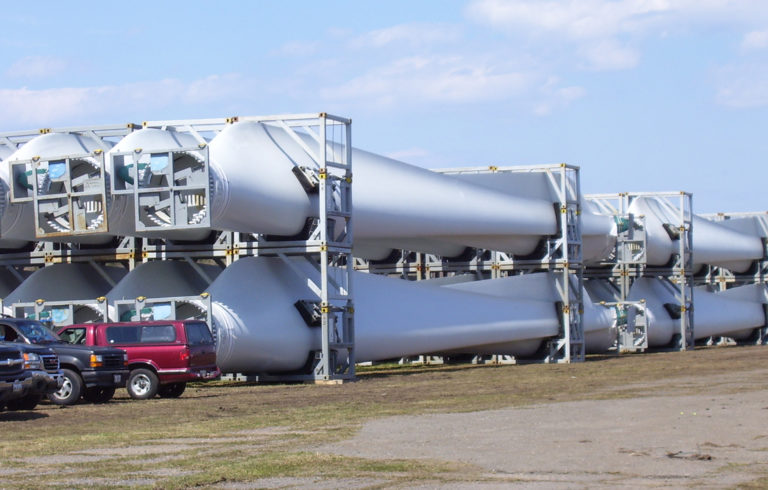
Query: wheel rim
{"points": [[66, 389], [141, 384]]}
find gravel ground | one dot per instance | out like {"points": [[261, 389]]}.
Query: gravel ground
{"points": [[671, 420], [715, 439]]}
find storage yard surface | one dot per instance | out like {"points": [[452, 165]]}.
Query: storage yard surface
{"points": [[658, 420]]}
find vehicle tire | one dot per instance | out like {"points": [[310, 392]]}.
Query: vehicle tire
{"points": [[99, 394], [172, 390], [70, 390], [29, 402], [142, 384]]}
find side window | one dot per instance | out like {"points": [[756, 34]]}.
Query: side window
{"points": [[122, 335], [158, 333], [8, 334], [198, 334], [74, 335]]}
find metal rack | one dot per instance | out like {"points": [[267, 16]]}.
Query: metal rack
{"points": [[721, 278], [61, 313], [561, 255], [630, 259], [68, 192], [145, 309], [631, 325], [328, 247]]}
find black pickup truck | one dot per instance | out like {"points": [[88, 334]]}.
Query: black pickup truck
{"points": [[89, 372], [27, 373]]}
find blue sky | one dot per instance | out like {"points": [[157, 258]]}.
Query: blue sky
{"points": [[655, 95]]}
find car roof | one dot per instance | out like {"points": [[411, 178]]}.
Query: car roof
{"points": [[132, 324], [18, 320]]}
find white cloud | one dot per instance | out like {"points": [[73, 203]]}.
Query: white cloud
{"points": [[743, 86], [32, 67], [415, 34], [296, 48], [609, 55], [432, 79], [755, 40], [605, 33], [552, 96], [579, 19], [23, 107]]}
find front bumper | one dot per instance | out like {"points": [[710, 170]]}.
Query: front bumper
{"points": [[47, 381], [19, 387], [107, 378]]}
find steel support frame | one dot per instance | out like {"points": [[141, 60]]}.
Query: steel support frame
{"points": [[76, 203], [172, 196], [335, 362], [563, 256], [681, 272], [328, 252], [630, 257], [626, 263], [333, 173], [15, 139], [43, 310], [632, 324], [45, 253], [721, 278], [409, 266], [481, 262], [141, 308], [71, 218]]}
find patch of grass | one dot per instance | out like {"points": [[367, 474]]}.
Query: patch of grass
{"points": [[245, 468], [760, 483], [306, 416]]}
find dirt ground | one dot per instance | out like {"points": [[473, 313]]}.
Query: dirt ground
{"points": [[670, 420], [713, 440]]}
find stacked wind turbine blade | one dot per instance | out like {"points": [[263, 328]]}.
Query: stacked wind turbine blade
{"points": [[756, 294], [756, 225], [58, 165], [254, 188], [443, 209], [74, 282], [65, 282], [16, 220], [10, 281], [394, 204], [714, 314], [713, 243], [599, 322], [260, 329], [147, 166], [163, 279], [598, 230], [598, 235]]}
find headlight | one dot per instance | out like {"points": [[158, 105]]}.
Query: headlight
{"points": [[97, 361], [32, 361]]}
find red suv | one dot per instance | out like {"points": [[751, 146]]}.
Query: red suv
{"points": [[162, 355]]}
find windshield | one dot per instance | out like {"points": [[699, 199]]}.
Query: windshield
{"points": [[36, 333]]}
